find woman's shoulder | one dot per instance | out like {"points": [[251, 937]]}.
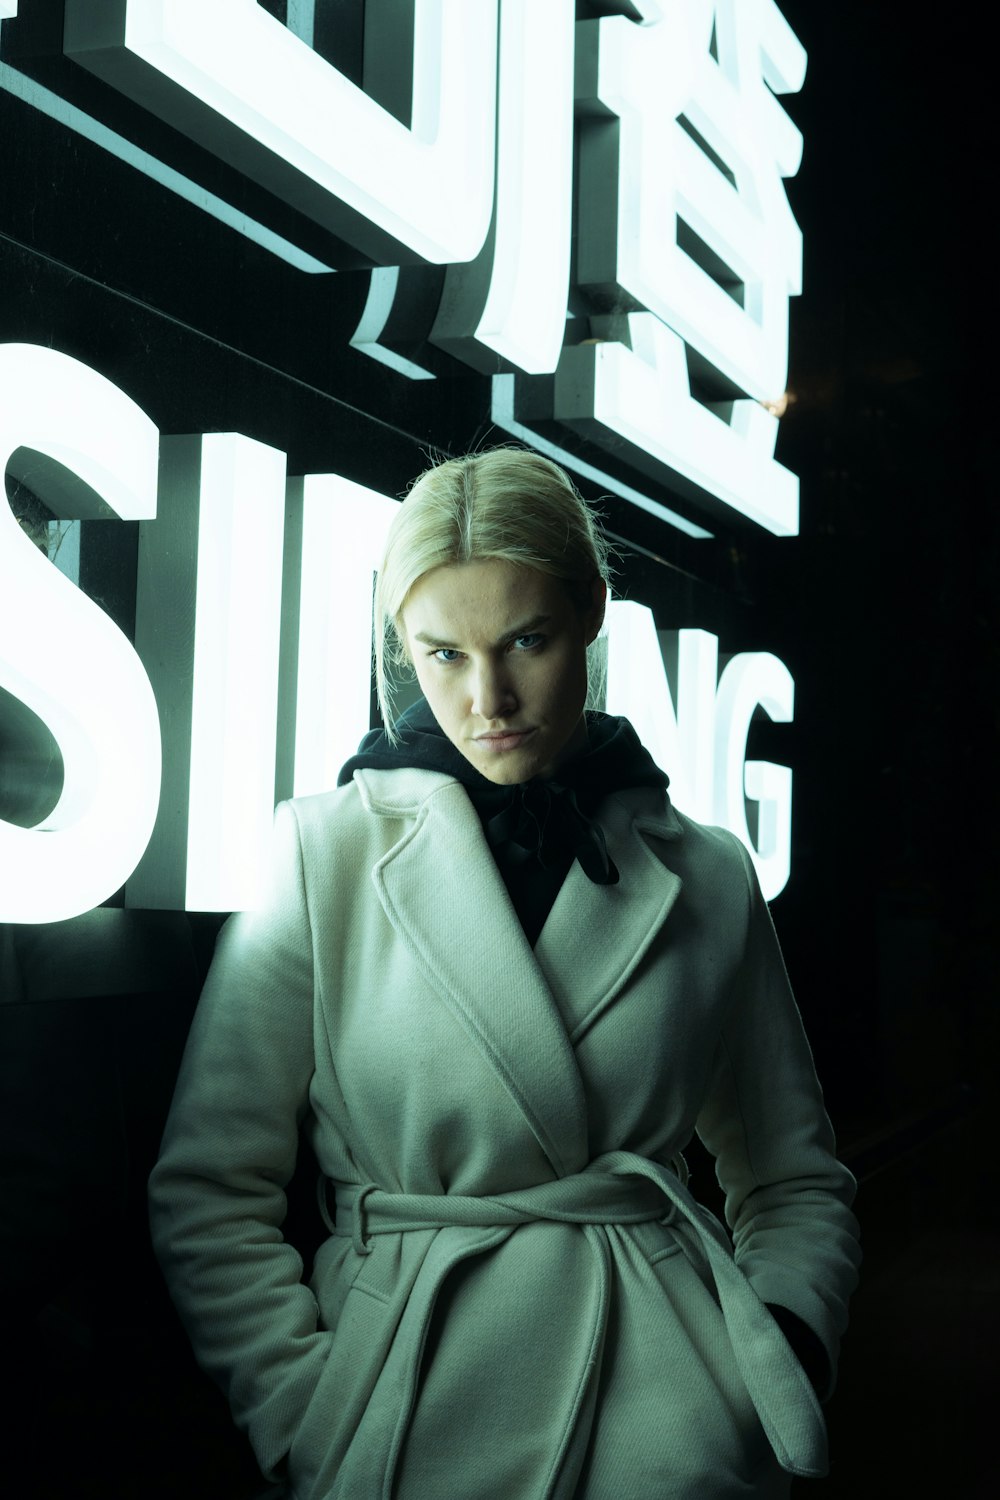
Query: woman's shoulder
{"points": [[703, 852], [712, 842], [322, 842], [394, 793]]}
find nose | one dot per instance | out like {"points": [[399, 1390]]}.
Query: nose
{"points": [[493, 694]]}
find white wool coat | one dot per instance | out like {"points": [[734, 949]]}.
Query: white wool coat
{"points": [[520, 1297]]}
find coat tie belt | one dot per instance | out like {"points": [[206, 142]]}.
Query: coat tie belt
{"points": [[593, 1196], [621, 1187]]}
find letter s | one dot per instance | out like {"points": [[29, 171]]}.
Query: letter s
{"points": [[86, 450]]}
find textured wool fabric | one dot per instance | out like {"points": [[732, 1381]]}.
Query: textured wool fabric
{"points": [[521, 1296]]}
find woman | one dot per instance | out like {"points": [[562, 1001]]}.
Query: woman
{"points": [[499, 983]]}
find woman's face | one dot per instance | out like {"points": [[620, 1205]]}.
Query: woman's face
{"points": [[500, 653]]}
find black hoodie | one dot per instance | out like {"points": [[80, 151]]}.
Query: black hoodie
{"points": [[535, 828]]}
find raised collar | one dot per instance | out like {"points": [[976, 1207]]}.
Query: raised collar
{"points": [[406, 789]]}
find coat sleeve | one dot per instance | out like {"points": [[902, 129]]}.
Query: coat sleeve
{"points": [[788, 1199], [217, 1199]]}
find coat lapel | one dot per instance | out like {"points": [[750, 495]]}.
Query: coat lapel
{"points": [[450, 906], [596, 935]]}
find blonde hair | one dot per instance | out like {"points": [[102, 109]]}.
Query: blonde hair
{"points": [[508, 503]]}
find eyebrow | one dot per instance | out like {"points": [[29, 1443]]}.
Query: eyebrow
{"points": [[524, 628]]}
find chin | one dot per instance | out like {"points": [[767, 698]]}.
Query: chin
{"points": [[505, 777], [505, 770], [502, 775]]}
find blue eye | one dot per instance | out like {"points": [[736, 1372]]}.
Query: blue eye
{"points": [[528, 642], [446, 655]]}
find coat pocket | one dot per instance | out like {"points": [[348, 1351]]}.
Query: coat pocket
{"points": [[337, 1404], [671, 1392], [305, 1455], [356, 1324]]}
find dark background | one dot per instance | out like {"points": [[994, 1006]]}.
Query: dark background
{"points": [[882, 608]]}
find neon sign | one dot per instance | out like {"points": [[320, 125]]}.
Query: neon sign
{"points": [[344, 527], [511, 301], [698, 731], [208, 602], [253, 651], [88, 450], [239, 82], [657, 298]]}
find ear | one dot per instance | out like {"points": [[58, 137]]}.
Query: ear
{"points": [[599, 599]]}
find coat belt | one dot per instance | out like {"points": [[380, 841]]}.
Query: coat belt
{"points": [[622, 1187], [594, 1196]]}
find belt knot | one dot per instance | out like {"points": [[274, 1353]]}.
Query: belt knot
{"points": [[604, 1192]]}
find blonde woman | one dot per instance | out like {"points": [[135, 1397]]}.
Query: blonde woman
{"points": [[499, 984]]}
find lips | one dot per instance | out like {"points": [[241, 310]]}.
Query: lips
{"points": [[508, 739]]}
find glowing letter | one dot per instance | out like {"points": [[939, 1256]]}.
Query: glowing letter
{"points": [[207, 624], [679, 739], [512, 300], [86, 450], [683, 219], [699, 232], [248, 89], [755, 679], [701, 743], [343, 528], [640, 396]]}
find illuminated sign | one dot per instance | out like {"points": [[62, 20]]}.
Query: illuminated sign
{"points": [[208, 602], [253, 616], [638, 394], [647, 315], [87, 451], [511, 301], [683, 220], [253, 631], [752, 680], [702, 740], [343, 529], [686, 251], [245, 86]]}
